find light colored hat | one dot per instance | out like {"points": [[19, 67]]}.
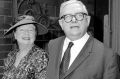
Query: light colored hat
{"points": [[66, 3], [27, 19]]}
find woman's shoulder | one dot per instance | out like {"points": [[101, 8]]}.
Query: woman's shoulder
{"points": [[9, 60], [39, 56], [11, 55], [39, 52], [12, 52]]}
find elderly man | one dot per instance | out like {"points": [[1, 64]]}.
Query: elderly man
{"points": [[85, 57]]}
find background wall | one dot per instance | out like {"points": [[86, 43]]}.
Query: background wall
{"points": [[5, 19]]}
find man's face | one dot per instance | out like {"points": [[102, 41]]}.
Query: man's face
{"points": [[74, 27], [25, 34]]}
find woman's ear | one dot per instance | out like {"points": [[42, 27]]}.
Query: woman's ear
{"points": [[14, 34]]}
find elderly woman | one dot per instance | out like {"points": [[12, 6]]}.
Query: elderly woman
{"points": [[28, 61]]}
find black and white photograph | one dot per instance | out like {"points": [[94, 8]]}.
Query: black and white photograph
{"points": [[59, 39]]}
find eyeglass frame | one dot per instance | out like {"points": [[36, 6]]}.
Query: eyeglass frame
{"points": [[83, 16]]}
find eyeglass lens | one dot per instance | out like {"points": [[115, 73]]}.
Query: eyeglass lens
{"points": [[77, 16]]}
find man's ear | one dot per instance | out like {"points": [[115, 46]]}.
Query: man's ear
{"points": [[60, 23], [88, 19]]}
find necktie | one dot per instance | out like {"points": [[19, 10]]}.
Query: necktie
{"points": [[66, 59]]}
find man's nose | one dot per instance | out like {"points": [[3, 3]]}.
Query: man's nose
{"points": [[74, 19]]}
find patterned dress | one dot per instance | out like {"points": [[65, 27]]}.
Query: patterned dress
{"points": [[32, 66]]}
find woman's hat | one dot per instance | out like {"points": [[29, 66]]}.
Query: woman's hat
{"points": [[27, 19]]}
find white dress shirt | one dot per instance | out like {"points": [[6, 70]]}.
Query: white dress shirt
{"points": [[76, 48]]}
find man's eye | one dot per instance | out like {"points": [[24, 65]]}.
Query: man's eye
{"points": [[67, 16]]}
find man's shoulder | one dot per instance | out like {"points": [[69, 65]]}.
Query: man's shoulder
{"points": [[100, 46], [57, 39], [97, 42]]}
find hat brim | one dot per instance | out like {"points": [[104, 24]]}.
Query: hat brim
{"points": [[40, 28]]}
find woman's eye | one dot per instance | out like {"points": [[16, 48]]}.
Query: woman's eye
{"points": [[21, 30]]}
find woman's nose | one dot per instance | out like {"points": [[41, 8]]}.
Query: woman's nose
{"points": [[27, 32]]}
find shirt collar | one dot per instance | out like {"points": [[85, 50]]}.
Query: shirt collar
{"points": [[81, 40]]}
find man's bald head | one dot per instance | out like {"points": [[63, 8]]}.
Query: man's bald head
{"points": [[72, 2]]}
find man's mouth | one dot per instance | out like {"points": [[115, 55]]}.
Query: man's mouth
{"points": [[26, 38], [74, 27]]}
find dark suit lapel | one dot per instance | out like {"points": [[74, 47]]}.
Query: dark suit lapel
{"points": [[55, 57], [81, 57], [59, 53]]}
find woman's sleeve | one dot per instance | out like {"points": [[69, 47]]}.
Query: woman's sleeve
{"points": [[41, 64]]}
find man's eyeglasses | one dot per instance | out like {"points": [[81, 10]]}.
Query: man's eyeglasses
{"points": [[78, 16]]}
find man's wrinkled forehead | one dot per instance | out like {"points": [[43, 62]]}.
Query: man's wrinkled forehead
{"points": [[72, 2]]}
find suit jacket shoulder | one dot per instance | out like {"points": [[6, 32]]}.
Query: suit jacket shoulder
{"points": [[99, 46], [56, 40]]}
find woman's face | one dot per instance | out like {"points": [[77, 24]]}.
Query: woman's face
{"points": [[25, 34]]}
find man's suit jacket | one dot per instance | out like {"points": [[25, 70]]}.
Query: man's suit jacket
{"points": [[95, 61]]}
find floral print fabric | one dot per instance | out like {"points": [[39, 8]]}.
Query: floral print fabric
{"points": [[32, 66]]}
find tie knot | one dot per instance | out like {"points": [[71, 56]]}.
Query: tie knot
{"points": [[70, 44]]}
